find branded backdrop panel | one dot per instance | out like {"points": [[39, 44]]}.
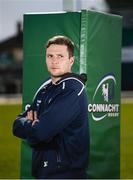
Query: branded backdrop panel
{"points": [[101, 59], [97, 39]]}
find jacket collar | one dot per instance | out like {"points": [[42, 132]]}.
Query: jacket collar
{"points": [[82, 77]]}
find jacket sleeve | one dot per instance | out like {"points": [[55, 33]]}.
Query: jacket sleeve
{"points": [[60, 113], [22, 125]]}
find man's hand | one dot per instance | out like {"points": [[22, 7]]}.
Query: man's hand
{"points": [[31, 115]]}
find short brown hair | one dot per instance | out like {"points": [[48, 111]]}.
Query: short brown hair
{"points": [[62, 40]]}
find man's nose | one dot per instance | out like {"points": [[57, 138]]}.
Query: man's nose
{"points": [[55, 60]]}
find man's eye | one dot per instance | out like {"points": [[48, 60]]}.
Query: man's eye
{"points": [[60, 56], [49, 56]]}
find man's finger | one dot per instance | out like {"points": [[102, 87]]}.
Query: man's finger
{"points": [[30, 115], [35, 115]]}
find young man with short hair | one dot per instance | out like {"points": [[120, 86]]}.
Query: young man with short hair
{"points": [[56, 124]]}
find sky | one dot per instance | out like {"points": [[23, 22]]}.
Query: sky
{"points": [[12, 11]]}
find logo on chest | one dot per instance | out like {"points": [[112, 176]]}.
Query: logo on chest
{"points": [[45, 163], [38, 102]]}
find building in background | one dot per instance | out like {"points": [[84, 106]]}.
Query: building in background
{"points": [[11, 56], [125, 9]]}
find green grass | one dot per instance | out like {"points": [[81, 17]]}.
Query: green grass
{"points": [[10, 145], [127, 141]]}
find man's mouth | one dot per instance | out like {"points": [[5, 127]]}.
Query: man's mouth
{"points": [[54, 68]]}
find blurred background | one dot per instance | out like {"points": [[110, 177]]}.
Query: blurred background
{"points": [[11, 60]]}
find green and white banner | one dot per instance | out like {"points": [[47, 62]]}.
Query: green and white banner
{"points": [[97, 38]]}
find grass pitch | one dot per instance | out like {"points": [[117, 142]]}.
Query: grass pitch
{"points": [[126, 141], [10, 145]]}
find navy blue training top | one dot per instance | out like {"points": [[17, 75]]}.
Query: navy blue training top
{"points": [[60, 136]]}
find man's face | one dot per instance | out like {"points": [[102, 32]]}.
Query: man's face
{"points": [[58, 60]]}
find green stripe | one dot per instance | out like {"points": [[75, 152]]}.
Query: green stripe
{"points": [[83, 42]]}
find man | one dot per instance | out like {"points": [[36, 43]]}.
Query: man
{"points": [[56, 124]]}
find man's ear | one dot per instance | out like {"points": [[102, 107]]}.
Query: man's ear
{"points": [[72, 60]]}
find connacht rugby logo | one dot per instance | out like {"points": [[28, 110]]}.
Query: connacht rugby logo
{"points": [[104, 99]]}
